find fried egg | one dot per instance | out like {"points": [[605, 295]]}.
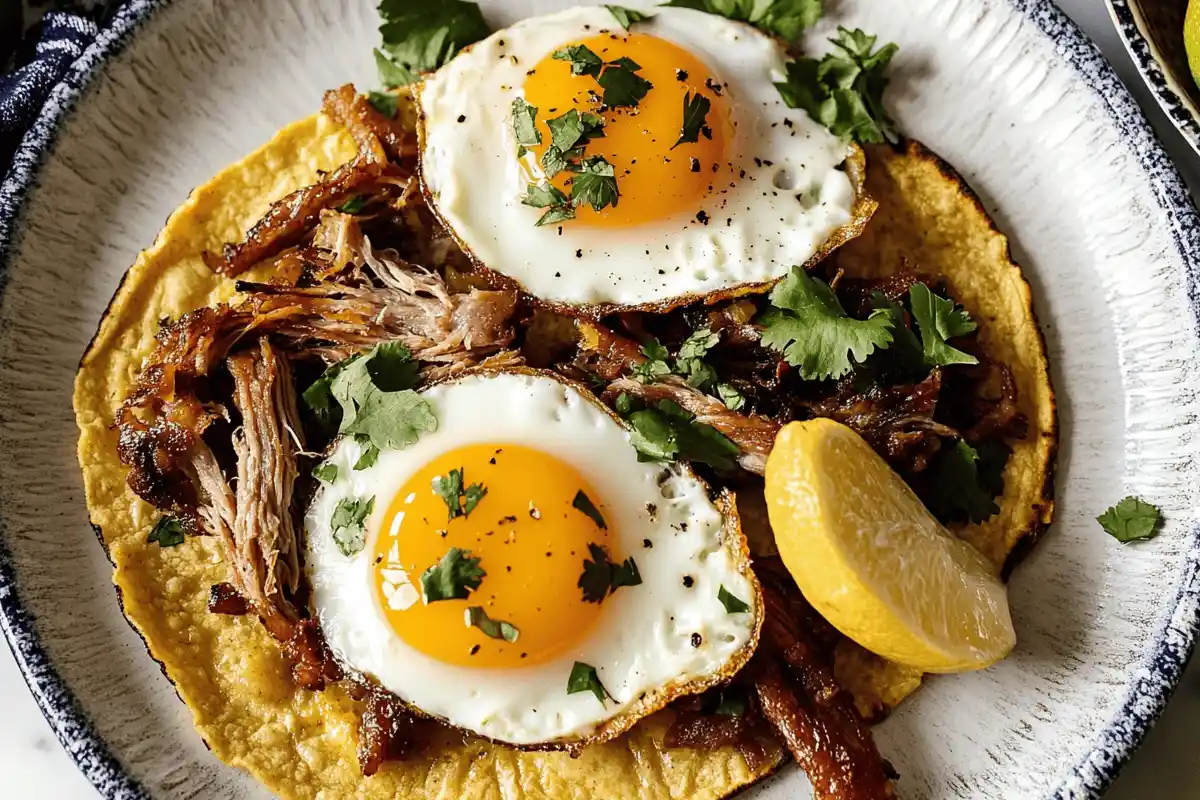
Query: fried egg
{"points": [[552, 506], [761, 188]]}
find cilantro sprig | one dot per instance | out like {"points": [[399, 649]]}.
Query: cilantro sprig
{"points": [[349, 523], [419, 37], [783, 18], [371, 394], [460, 501], [601, 576], [844, 89], [477, 617], [689, 364], [167, 532], [1131, 520], [454, 577], [938, 320], [809, 326], [666, 432], [584, 679]]}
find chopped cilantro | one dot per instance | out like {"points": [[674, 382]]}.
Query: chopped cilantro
{"points": [[569, 134], [784, 18], [938, 320], [844, 90], [959, 492], [459, 501], [326, 472], [452, 578], [582, 59], [731, 397], [807, 324], [497, 629], [657, 364], [423, 36], [732, 603], [369, 455], [695, 113], [904, 360], [167, 532], [584, 504], [349, 524], [600, 576], [524, 124], [626, 17], [595, 185], [385, 103], [666, 432], [584, 679], [557, 205], [354, 205], [374, 393], [623, 87], [1130, 520], [699, 343]]}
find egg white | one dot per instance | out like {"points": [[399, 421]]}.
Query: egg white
{"points": [[789, 202], [643, 642]]}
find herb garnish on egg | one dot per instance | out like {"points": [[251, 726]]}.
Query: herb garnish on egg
{"points": [[732, 603], [601, 577], [623, 87], [326, 473], [524, 123], [452, 578], [584, 504], [584, 679], [460, 501], [348, 523], [477, 617], [695, 112], [569, 134]]}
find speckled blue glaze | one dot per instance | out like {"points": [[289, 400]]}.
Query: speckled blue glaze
{"points": [[1150, 687]]}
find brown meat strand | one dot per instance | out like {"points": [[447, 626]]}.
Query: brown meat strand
{"points": [[386, 732], [223, 598], [753, 435], [378, 137], [266, 551], [313, 666], [289, 219]]}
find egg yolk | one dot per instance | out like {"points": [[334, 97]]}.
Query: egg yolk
{"points": [[656, 179], [530, 537]]}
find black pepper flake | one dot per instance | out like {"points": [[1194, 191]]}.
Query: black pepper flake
{"points": [[661, 271], [702, 217], [697, 640], [462, 117], [683, 527], [508, 569], [507, 520], [558, 274], [523, 656], [688, 581], [475, 648], [695, 163], [549, 554], [713, 86], [579, 254], [787, 123], [442, 532], [646, 543], [492, 460]]}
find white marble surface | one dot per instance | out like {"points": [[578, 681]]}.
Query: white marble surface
{"points": [[34, 765]]}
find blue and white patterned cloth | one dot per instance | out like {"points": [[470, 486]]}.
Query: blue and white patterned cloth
{"points": [[23, 91]]}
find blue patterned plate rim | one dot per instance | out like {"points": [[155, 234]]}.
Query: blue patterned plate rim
{"points": [[1154, 681]]}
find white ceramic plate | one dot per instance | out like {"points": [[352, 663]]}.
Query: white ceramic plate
{"points": [[1007, 90]]}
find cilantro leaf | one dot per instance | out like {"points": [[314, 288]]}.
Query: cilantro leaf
{"points": [[319, 398], [904, 360], [524, 123], [695, 113], [573, 128], [477, 617], [784, 18], [1131, 520], [423, 36], [584, 504], [385, 103], [596, 184], [844, 90], [699, 343], [349, 524], [623, 87], [326, 472], [626, 17], [453, 578], [392, 76], [732, 603], [584, 679], [938, 320], [556, 215], [548, 196], [353, 205], [731, 397], [450, 489], [369, 455], [392, 420], [667, 432], [600, 576], [391, 367], [167, 532], [959, 493], [807, 324], [582, 58]]}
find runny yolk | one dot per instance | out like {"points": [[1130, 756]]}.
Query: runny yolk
{"points": [[529, 538], [655, 179]]}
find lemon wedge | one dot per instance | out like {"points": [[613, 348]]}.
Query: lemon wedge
{"points": [[1191, 38], [874, 562]]}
